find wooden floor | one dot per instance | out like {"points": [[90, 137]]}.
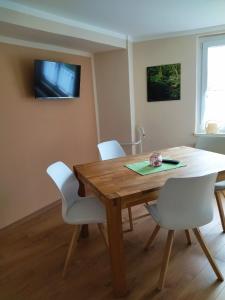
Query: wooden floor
{"points": [[32, 256]]}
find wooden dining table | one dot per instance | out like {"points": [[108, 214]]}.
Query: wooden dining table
{"points": [[119, 187]]}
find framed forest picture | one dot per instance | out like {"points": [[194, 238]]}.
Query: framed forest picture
{"points": [[163, 82]]}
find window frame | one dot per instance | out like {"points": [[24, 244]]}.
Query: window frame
{"points": [[204, 44]]}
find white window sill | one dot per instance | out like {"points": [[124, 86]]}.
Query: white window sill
{"points": [[221, 134]]}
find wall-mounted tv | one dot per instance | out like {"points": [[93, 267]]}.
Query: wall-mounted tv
{"points": [[54, 80]]}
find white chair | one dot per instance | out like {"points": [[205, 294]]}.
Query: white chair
{"points": [[215, 144], [109, 150], [76, 210], [183, 203]]}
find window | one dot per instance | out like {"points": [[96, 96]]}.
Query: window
{"points": [[212, 82]]}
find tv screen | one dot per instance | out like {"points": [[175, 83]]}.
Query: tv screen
{"points": [[56, 79]]}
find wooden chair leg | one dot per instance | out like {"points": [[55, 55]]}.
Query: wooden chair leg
{"points": [[208, 254], [166, 257], [73, 244], [130, 218], [188, 237], [104, 234], [220, 208], [152, 237]]}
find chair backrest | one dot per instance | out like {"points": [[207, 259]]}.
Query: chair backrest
{"points": [[110, 149], [186, 202], [66, 182], [211, 143]]}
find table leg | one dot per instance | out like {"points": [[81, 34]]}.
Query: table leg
{"points": [[84, 233], [115, 234]]}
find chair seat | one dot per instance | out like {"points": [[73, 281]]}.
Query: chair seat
{"points": [[153, 210], [220, 185], [86, 210]]}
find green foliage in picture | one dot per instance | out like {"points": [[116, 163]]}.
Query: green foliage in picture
{"points": [[163, 82]]}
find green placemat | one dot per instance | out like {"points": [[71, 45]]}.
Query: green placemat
{"points": [[143, 167]]}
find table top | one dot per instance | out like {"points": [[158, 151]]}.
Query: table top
{"points": [[111, 179]]}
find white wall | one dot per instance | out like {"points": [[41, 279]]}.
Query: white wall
{"points": [[168, 123], [112, 81]]}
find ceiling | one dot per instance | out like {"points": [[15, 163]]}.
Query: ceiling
{"points": [[139, 19], [103, 25]]}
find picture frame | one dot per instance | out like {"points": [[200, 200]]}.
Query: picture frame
{"points": [[163, 82]]}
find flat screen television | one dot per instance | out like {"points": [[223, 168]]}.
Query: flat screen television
{"points": [[56, 80]]}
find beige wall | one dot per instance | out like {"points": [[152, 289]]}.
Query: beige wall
{"points": [[112, 80], [36, 133], [169, 123]]}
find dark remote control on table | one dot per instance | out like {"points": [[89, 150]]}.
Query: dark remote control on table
{"points": [[170, 161]]}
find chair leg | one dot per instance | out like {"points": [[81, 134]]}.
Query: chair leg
{"points": [[166, 257], [104, 234], [152, 237], [208, 254], [188, 237], [130, 218], [73, 244], [220, 208]]}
